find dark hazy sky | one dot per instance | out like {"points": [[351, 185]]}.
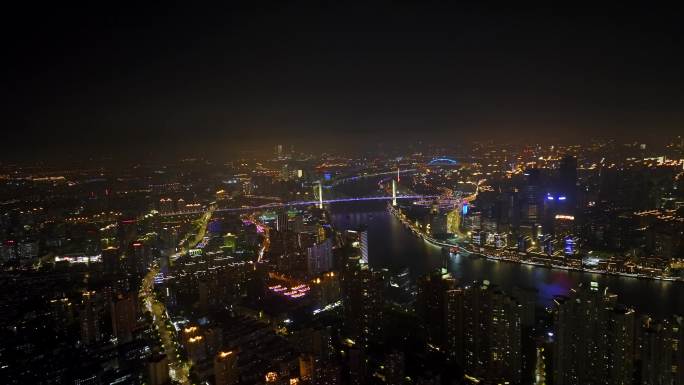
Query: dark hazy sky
{"points": [[111, 78]]}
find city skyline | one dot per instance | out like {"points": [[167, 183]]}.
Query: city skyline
{"points": [[342, 193]]}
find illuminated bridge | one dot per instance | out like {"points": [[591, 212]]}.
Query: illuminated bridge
{"points": [[274, 205], [443, 162]]}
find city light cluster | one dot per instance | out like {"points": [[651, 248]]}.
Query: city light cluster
{"points": [[292, 292]]}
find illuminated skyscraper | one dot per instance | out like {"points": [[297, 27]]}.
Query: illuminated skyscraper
{"points": [[321, 235], [319, 257], [621, 328], [491, 334], [593, 338], [196, 348], [454, 220], [189, 332], [454, 325], [229, 242], [363, 245], [532, 205], [306, 367]]}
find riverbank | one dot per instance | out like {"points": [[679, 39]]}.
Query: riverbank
{"points": [[470, 249]]}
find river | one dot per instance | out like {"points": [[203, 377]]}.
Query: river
{"points": [[392, 246]]}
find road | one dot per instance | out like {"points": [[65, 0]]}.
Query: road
{"points": [[179, 370], [201, 225]]}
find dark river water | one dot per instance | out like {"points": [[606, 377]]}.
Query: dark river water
{"points": [[394, 247]]}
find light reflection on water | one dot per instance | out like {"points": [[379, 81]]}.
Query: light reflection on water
{"points": [[392, 246]]}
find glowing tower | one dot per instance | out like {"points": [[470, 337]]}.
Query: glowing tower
{"points": [[394, 192], [320, 194]]}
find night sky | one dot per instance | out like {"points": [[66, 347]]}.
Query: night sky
{"points": [[178, 79]]}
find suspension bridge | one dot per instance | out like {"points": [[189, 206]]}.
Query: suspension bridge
{"points": [[319, 201]]}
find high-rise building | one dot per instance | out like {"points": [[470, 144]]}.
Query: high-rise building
{"points": [[8, 251], [158, 370], [659, 353], [359, 240], [127, 232], [110, 260], [567, 181], [166, 205], [394, 368], [491, 334], [431, 305], [196, 348], [281, 221], [621, 330], [363, 301], [306, 367], [678, 346], [454, 325], [229, 242], [593, 338], [438, 223], [27, 249], [89, 319], [204, 291], [327, 289], [214, 338], [319, 257], [328, 373], [189, 332], [357, 366], [285, 172], [321, 234], [298, 223], [528, 299], [532, 196], [142, 254], [363, 244], [454, 219], [62, 313], [124, 320], [226, 371]]}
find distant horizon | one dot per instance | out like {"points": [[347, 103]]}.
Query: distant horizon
{"points": [[186, 78], [216, 153]]}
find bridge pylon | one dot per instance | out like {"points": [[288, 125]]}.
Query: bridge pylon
{"points": [[320, 194], [394, 192]]}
